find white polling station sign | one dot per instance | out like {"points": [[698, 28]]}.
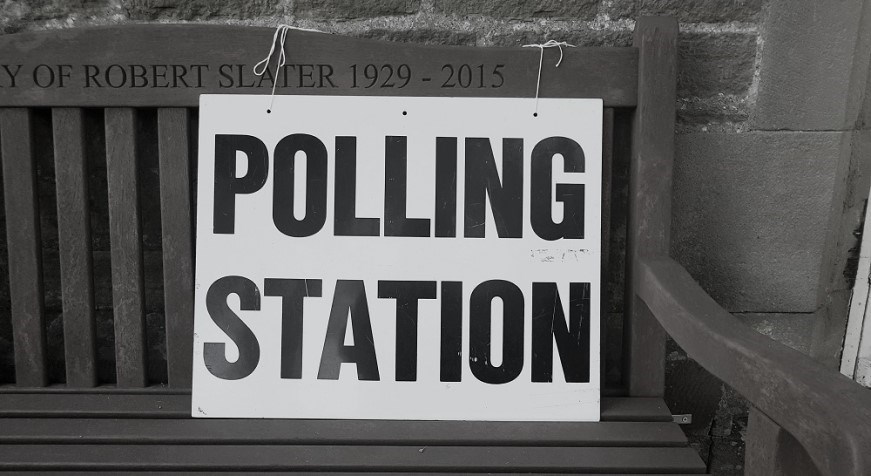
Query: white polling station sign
{"points": [[398, 258]]}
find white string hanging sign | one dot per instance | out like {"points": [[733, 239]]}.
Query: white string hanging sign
{"points": [[279, 37], [542, 46]]}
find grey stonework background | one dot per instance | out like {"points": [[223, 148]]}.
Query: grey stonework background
{"points": [[770, 176]]}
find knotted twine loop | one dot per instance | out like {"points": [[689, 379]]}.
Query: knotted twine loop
{"points": [[280, 37], [542, 46]]}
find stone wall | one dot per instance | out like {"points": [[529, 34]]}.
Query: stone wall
{"points": [[770, 113]]}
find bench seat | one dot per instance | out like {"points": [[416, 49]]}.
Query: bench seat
{"points": [[135, 149], [55, 429]]}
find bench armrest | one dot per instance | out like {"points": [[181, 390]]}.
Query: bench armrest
{"points": [[829, 414]]}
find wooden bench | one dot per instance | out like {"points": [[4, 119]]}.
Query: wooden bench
{"points": [[138, 419]]}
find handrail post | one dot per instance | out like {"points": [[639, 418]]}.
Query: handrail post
{"points": [[649, 197]]}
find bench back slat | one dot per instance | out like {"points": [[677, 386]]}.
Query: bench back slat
{"points": [[650, 196], [25, 250], [74, 244], [175, 214], [126, 247]]}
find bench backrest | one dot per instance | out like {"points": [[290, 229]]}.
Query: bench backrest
{"points": [[100, 121]]}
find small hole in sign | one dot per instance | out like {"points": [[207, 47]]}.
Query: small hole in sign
{"points": [[404, 113], [534, 114], [269, 111]]}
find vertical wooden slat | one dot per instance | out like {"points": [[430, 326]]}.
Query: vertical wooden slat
{"points": [[126, 244], [607, 167], [25, 253], [74, 239], [172, 130], [650, 196]]}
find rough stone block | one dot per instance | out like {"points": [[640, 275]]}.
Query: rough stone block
{"points": [[688, 11], [814, 65], [715, 63], [425, 36], [711, 113], [727, 456], [198, 9], [17, 15], [702, 11], [350, 9], [521, 10], [750, 214], [619, 9]]}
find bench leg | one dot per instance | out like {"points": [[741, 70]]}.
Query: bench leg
{"points": [[771, 451]]}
